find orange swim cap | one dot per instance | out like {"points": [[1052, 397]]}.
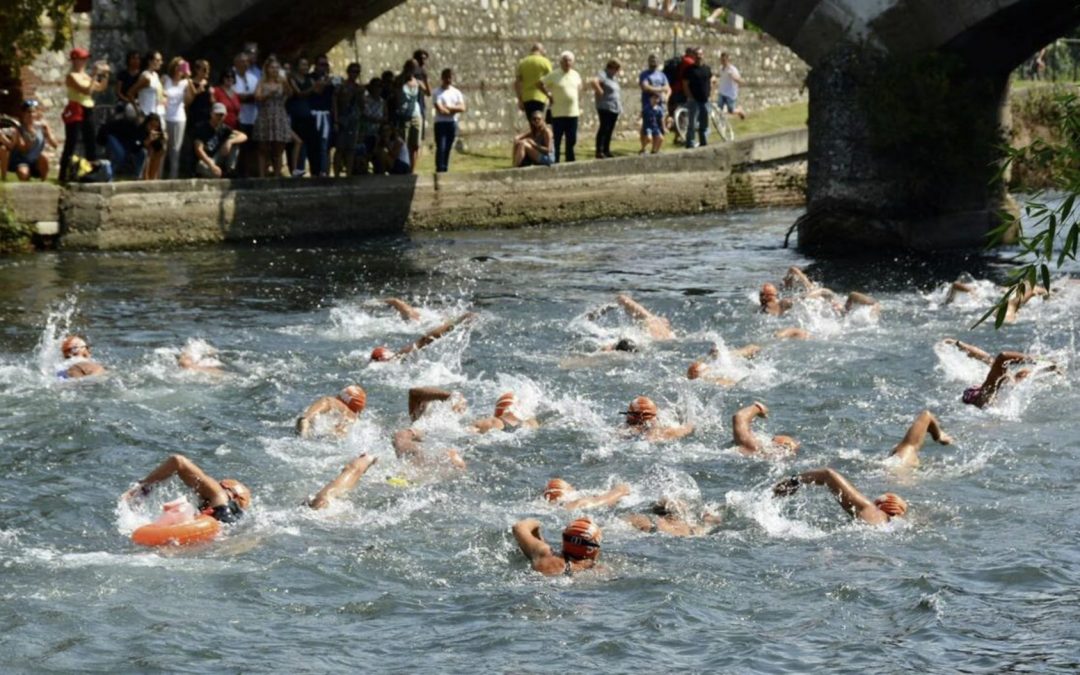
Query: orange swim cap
{"points": [[768, 291], [641, 410], [696, 370], [73, 344], [786, 442], [354, 397], [238, 492], [505, 402], [581, 540], [556, 489], [892, 504], [381, 354]]}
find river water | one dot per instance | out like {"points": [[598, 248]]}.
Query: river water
{"points": [[984, 574]]}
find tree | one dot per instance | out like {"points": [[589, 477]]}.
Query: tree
{"points": [[22, 35], [1053, 234]]}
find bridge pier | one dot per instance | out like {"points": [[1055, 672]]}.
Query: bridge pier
{"points": [[904, 153]]}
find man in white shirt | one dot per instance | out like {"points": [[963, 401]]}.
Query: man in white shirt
{"points": [[729, 86], [449, 102], [246, 82]]}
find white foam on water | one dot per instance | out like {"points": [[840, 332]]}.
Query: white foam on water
{"points": [[760, 507]]}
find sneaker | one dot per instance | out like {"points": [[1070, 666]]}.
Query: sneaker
{"points": [[298, 173]]}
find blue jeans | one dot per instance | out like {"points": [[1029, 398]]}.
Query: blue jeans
{"points": [[699, 114], [565, 126], [445, 133], [118, 155]]}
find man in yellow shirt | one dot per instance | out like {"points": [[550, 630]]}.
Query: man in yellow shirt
{"points": [[530, 71], [563, 88]]}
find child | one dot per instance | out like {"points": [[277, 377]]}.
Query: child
{"points": [[652, 124]]}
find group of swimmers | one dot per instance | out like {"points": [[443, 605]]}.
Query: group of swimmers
{"points": [[228, 499]]}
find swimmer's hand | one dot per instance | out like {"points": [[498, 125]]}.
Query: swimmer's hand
{"points": [[137, 492], [786, 487], [763, 410]]}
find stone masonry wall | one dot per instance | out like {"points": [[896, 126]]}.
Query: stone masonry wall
{"points": [[482, 40]]}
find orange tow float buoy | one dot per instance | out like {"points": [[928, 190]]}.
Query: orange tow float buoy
{"points": [[202, 529]]}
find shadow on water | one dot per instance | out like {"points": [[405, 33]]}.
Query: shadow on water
{"points": [[899, 273]]}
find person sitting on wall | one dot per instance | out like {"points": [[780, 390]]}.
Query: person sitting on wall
{"points": [[22, 145], [536, 146], [217, 146]]}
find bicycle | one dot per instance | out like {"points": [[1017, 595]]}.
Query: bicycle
{"points": [[717, 118]]}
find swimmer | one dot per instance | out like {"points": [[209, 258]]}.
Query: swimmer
{"points": [[907, 450], [557, 491], [408, 445], [345, 481], [190, 359], [623, 345], [875, 512], [580, 549], [671, 516], [641, 419], [770, 302], [795, 279], [225, 500], [505, 417], [744, 436], [700, 370], [984, 394], [792, 333], [1024, 293], [658, 327], [407, 311], [76, 347], [421, 397], [346, 406], [384, 353]]}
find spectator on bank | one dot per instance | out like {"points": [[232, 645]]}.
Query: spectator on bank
{"points": [[246, 83], [202, 98], [563, 88], [655, 89], [407, 110], [530, 71], [147, 92], [78, 114], [535, 147], [421, 57], [217, 146], [321, 102], [120, 136], [153, 139], [251, 49], [348, 109], [393, 151], [272, 130], [729, 87], [675, 70], [225, 94], [299, 109], [22, 150], [697, 85], [127, 77], [608, 93], [449, 102], [388, 77], [177, 96], [372, 119]]}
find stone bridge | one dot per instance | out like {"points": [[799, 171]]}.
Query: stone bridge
{"points": [[906, 97]]}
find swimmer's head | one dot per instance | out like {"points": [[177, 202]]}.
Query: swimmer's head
{"points": [[505, 403], [786, 443], [891, 504], [971, 395], [381, 354], [641, 411], [768, 293], [556, 489], [238, 492], [669, 506], [74, 345], [354, 397], [581, 540], [626, 345], [696, 370]]}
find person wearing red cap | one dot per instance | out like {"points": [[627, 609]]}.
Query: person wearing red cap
{"points": [[874, 512], [641, 420], [345, 481], [226, 500], [384, 353], [505, 417], [558, 490], [580, 549], [346, 407], [408, 443], [78, 115], [796, 279], [744, 436], [74, 347]]}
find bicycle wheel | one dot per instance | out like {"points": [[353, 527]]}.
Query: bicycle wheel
{"points": [[681, 120], [721, 124]]}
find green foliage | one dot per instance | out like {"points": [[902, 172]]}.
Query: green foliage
{"points": [[15, 237], [1052, 237], [22, 36]]}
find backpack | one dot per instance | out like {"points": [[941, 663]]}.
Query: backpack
{"points": [[82, 170], [671, 69]]}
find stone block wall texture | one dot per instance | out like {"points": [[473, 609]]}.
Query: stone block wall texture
{"points": [[483, 40]]}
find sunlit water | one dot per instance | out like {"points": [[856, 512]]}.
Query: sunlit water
{"points": [[983, 575]]}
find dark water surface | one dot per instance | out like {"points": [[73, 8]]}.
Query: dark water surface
{"points": [[984, 574]]}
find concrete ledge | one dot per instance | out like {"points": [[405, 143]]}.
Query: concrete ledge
{"points": [[32, 202]]}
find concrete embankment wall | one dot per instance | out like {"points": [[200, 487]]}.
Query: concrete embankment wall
{"points": [[758, 171]]}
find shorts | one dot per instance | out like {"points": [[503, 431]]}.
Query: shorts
{"points": [[16, 160], [227, 513], [413, 128], [545, 160], [650, 127], [726, 102]]}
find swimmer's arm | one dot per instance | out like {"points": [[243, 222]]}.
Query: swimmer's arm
{"points": [[792, 333], [748, 351], [851, 500], [303, 423], [482, 426], [971, 350], [742, 432], [640, 521], [85, 369], [855, 298], [957, 288], [407, 443], [633, 308], [673, 433], [420, 397], [438, 332], [407, 311], [530, 541], [189, 472], [609, 498], [345, 481], [796, 277]]}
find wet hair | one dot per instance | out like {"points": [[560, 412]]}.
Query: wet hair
{"points": [[625, 345]]}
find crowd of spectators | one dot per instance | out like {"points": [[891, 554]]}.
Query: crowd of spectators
{"points": [[264, 117]]}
